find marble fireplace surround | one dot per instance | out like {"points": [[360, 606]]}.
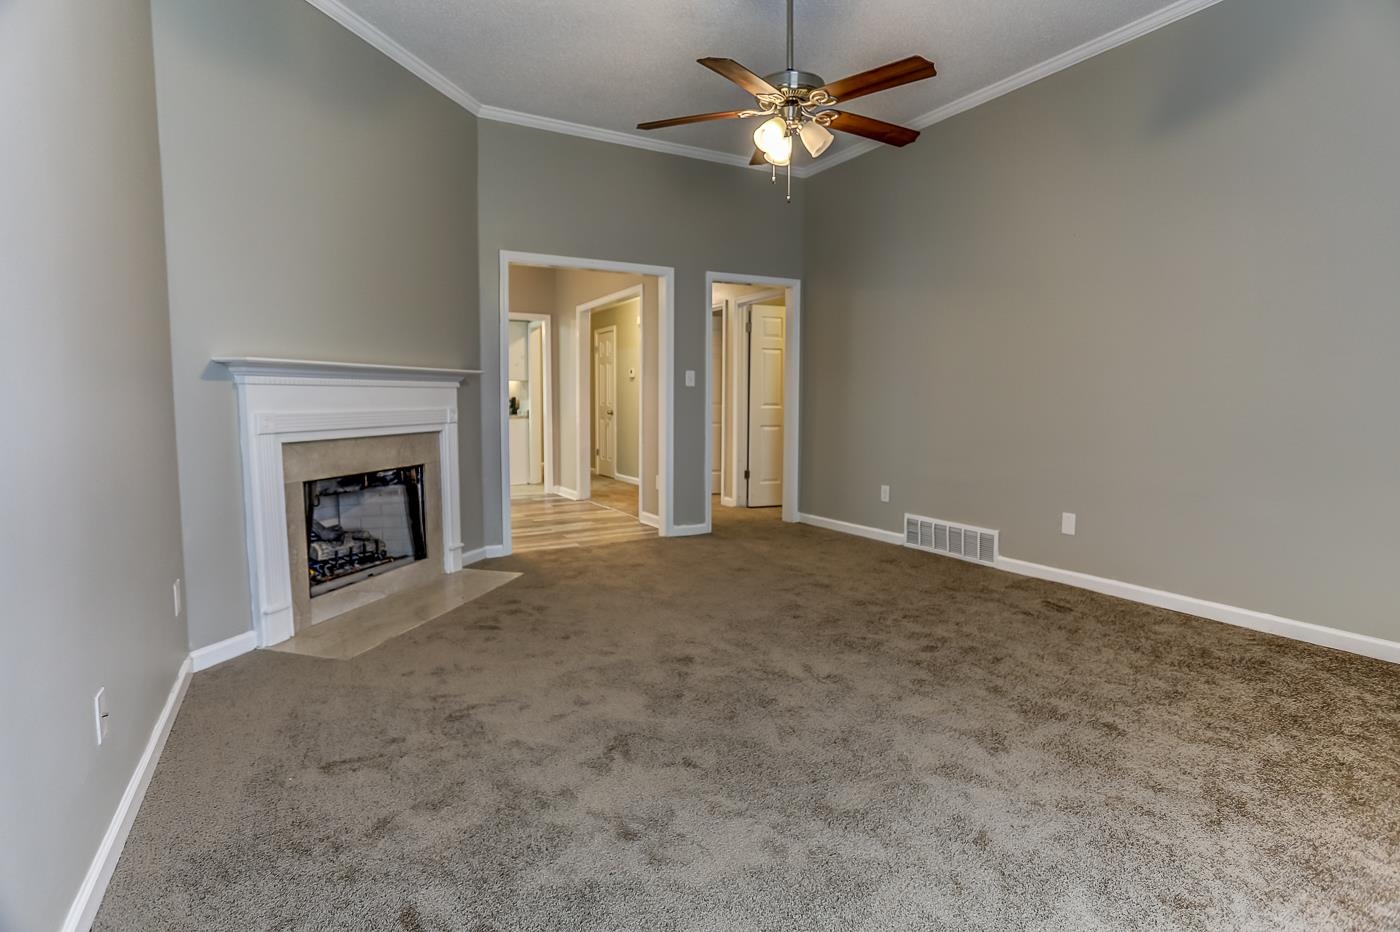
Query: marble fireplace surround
{"points": [[282, 401]]}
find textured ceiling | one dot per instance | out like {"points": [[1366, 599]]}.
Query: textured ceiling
{"points": [[612, 63]]}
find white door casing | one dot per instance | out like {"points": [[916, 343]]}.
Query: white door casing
{"points": [[605, 400], [767, 360], [717, 400]]}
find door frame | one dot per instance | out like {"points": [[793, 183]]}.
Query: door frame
{"points": [[721, 310], [666, 389], [597, 455], [740, 345], [547, 364], [583, 315], [792, 383]]}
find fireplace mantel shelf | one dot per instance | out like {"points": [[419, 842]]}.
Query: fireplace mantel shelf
{"points": [[263, 366]]}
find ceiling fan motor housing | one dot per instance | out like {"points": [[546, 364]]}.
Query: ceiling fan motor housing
{"points": [[797, 83]]}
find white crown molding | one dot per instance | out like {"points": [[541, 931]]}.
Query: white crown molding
{"points": [[1104, 43], [652, 143], [374, 36], [351, 20]]}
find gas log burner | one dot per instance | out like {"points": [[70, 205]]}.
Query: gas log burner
{"points": [[362, 525]]}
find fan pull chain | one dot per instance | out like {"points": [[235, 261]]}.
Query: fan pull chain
{"points": [[789, 181]]}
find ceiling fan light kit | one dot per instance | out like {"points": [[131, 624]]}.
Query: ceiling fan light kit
{"points": [[800, 104]]}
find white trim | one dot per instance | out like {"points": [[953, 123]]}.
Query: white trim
{"points": [[689, 530], [630, 480], [85, 904], [213, 654], [667, 397], [649, 519], [729, 502], [563, 492], [1104, 43], [496, 550], [415, 65], [1335, 638], [1290, 628], [855, 530], [616, 137], [269, 370], [792, 386], [546, 321], [453, 91], [583, 387], [473, 556]]}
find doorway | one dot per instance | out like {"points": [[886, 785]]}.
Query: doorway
{"points": [[605, 401], [529, 400], [752, 370], [610, 465]]}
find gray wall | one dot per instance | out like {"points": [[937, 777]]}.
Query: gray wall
{"points": [[90, 510], [320, 203], [1158, 290], [561, 195]]}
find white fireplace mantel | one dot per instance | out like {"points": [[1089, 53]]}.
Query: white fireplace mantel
{"points": [[297, 400]]}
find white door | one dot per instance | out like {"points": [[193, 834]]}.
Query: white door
{"points": [[767, 356], [536, 369], [716, 401], [605, 401]]}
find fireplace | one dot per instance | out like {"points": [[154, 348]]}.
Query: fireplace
{"points": [[363, 525], [363, 429]]}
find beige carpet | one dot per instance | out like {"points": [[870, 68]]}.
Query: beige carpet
{"points": [[351, 633], [778, 728]]}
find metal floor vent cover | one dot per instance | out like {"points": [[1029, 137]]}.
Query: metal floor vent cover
{"points": [[954, 540]]}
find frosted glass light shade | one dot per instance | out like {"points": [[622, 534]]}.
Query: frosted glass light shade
{"points": [[815, 137], [772, 139]]}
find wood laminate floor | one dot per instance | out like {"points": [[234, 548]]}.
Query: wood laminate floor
{"points": [[540, 521]]}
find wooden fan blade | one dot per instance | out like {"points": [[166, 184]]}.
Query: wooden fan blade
{"points": [[758, 158], [696, 118], [729, 68], [878, 130], [904, 71]]}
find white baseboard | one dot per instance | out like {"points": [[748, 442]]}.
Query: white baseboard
{"points": [[206, 657], [630, 480], [728, 501], [649, 519], [489, 552], [1290, 628], [84, 908], [563, 492], [1362, 644], [858, 530], [689, 530]]}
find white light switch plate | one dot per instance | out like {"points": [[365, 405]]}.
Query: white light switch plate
{"points": [[690, 378], [1067, 523], [884, 493], [99, 711]]}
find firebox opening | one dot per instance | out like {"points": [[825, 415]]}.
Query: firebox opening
{"points": [[362, 525]]}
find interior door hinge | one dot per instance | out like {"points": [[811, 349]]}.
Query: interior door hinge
{"points": [[746, 473]]}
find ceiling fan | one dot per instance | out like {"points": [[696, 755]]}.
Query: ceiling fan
{"points": [[798, 104]]}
